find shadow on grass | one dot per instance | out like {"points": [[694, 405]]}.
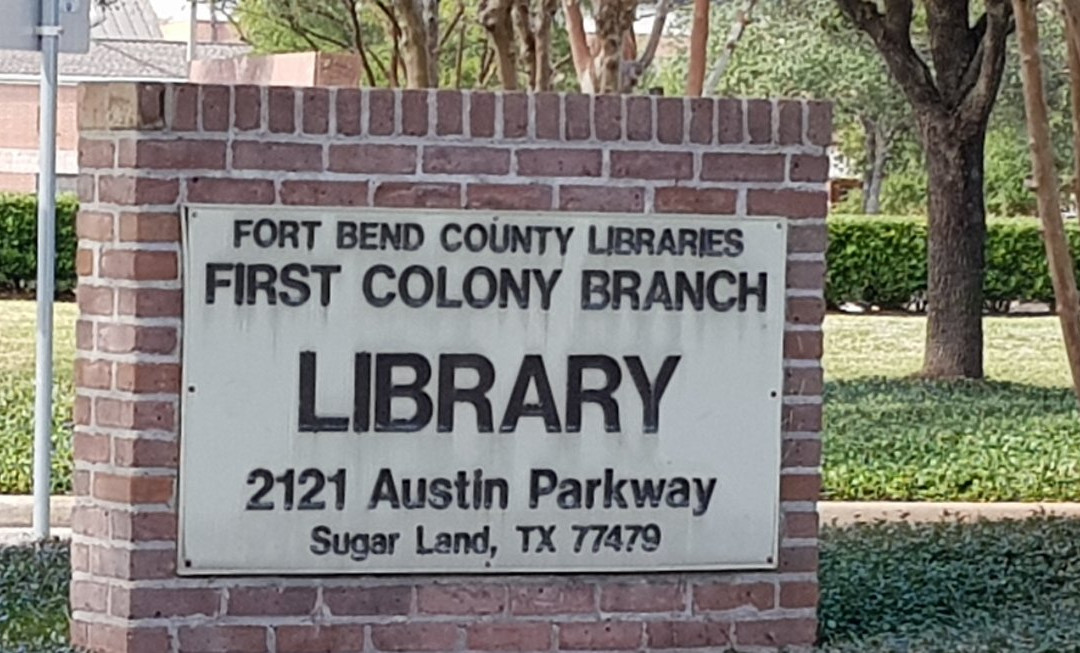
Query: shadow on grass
{"points": [[987, 586], [34, 598], [913, 440]]}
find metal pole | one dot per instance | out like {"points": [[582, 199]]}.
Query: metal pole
{"points": [[193, 30], [50, 41]]}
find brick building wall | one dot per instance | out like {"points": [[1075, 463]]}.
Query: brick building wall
{"points": [[147, 149], [19, 135]]}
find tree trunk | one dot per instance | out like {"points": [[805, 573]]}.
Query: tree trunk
{"points": [[954, 339], [495, 17], [522, 17], [613, 19], [699, 39], [579, 46], [431, 20], [414, 44], [877, 157], [543, 45]]}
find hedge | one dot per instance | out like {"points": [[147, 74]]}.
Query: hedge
{"points": [[881, 260], [18, 242]]}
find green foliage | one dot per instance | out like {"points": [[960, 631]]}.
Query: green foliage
{"points": [[17, 396], [18, 242], [34, 598], [882, 261], [952, 587]]}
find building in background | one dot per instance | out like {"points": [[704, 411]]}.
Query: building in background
{"points": [[127, 44]]}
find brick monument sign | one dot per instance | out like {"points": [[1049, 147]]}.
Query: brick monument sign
{"points": [[376, 370]]}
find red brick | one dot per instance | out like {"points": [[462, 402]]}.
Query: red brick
{"points": [[90, 521], [143, 526], [136, 564], [701, 120], [803, 344], [157, 603], [84, 335], [281, 110], [80, 412], [414, 637], [607, 117], [215, 108], [729, 596], [800, 487], [414, 112], [124, 338], [809, 168], [461, 599], [508, 637], [80, 635], [688, 634], [381, 110], [94, 300], [482, 114], [642, 597], [798, 559], [148, 377], [652, 165], [551, 599], [93, 373], [602, 198], [546, 116], [137, 190], [216, 638], [150, 104], [798, 595], [94, 226], [133, 489], [84, 262], [141, 265], [675, 199], [759, 121], [515, 115], [320, 639], [802, 417], [271, 601], [316, 110], [807, 238], [367, 601], [86, 188], [80, 557], [349, 101], [776, 632], [91, 447], [149, 302], [508, 197], [669, 120], [466, 160], [806, 310], [373, 159], [803, 381], [787, 203], [149, 227], [134, 414], [600, 635], [555, 162], [96, 154], [106, 637], [290, 157], [448, 119], [208, 190], [247, 115], [141, 452], [729, 121], [819, 123], [806, 274], [409, 195], [801, 524], [639, 120], [185, 108], [742, 167], [578, 115], [790, 122], [309, 192], [173, 155]]}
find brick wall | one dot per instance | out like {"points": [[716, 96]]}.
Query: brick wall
{"points": [[147, 149], [19, 135]]}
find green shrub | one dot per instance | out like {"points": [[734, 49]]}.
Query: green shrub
{"points": [[18, 242], [881, 260]]}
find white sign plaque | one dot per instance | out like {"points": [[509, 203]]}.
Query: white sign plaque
{"points": [[374, 391]]}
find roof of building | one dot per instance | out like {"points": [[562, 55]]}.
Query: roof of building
{"points": [[126, 19], [120, 59]]}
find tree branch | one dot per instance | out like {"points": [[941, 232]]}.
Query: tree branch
{"points": [[988, 65]]}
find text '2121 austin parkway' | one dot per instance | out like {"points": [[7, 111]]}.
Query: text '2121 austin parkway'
{"points": [[463, 391]]}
